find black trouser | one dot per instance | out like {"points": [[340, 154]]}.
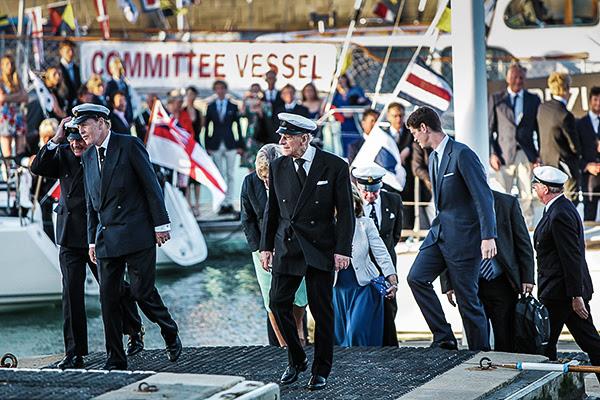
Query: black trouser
{"points": [[590, 202], [319, 286], [390, 335], [583, 330], [72, 266], [499, 300], [141, 267]]}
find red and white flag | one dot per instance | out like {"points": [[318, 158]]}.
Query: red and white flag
{"points": [[173, 147], [423, 86], [53, 193], [102, 18]]}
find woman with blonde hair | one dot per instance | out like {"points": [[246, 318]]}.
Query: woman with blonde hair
{"points": [[255, 191], [12, 100], [96, 87]]}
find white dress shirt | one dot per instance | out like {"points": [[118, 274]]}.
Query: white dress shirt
{"points": [[308, 157], [595, 121], [561, 99], [440, 150], [367, 209], [160, 228], [290, 106], [518, 102]]}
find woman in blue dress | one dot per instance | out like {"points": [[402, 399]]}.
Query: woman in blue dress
{"points": [[347, 95], [357, 304]]}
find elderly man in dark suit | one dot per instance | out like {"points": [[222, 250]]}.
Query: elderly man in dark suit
{"points": [[587, 127], [385, 209], [564, 283], [126, 219], [307, 232], [62, 161], [512, 127], [559, 141], [461, 235], [221, 142], [510, 273]]}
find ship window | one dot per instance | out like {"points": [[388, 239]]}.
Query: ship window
{"points": [[524, 14]]}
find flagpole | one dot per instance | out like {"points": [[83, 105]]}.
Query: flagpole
{"points": [[434, 22], [342, 57], [388, 53]]}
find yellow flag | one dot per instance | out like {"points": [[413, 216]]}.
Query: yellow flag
{"points": [[347, 62], [68, 17], [444, 22]]}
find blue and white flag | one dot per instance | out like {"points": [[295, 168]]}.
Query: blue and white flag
{"points": [[381, 149]]}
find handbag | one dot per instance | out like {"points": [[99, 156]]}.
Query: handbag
{"points": [[380, 284]]}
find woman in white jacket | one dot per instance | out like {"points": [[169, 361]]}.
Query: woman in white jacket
{"points": [[357, 302]]}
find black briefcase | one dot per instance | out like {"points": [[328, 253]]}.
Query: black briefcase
{"points": [[532, 326]]}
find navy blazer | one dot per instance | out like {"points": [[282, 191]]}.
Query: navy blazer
{"points": [[253, 200], [125, 201], [308, 225], [222, 131], [61, 163], [503, 130], [464, 202], [560, 248]]}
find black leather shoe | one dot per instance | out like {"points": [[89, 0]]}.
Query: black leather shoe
{"points": [[109, 366], [316, 382], [445, 344], [135, 344], [71, 362], [290, 375], [174, 349]]}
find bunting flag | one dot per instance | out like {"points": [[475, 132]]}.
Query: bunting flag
{"points": [[52, 194], [445, 22], [129, 10], [102, 18], [387, 9], [423, 86], [45, 98], [61, 16], [150, 5], [4, 22], [173, 147], [35, 30], [381, 149]]}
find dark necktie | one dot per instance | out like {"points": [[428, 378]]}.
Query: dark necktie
{"points": [[373, 215], [434, 160], [101, 156], [486, 269], [301, 171]]}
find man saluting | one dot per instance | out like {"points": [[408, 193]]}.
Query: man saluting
{"points": [[308, 223], [126, 219], [62, 161]]}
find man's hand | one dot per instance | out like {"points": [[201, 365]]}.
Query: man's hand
{"points": [[592, 168], [391, 291], [527, 288], [579, 308], [162, 237], [266, 258], [60, 134], [450, 295], [495, 162], [488, 248], [92, 254], [341, 262]]}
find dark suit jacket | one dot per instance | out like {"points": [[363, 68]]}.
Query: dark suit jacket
{"points": [[464, 202], [69, 88], [253, 202], [589, 151], [125, 201], [298, 109], [71, 222], [306, 226], [117, 125], [354, 148], [560, 246], [504, 134], [559, 140], [390, 229], [420, 169], [222, 131], [515, 252], [111, 87]]}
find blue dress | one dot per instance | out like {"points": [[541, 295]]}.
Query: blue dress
{"points": [[349, 128], [358, 312]]}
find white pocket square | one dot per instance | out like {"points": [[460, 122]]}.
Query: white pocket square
{"points": [[322, 183], [392, 216], [450, 174]]}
